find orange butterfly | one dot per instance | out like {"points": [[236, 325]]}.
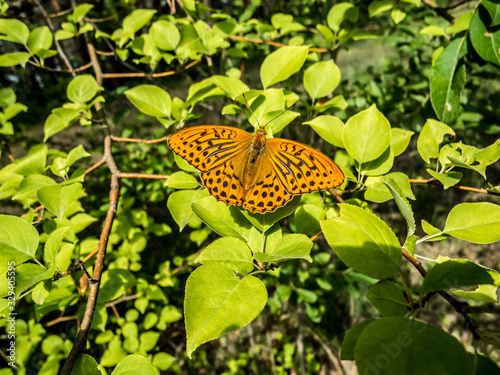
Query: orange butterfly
{"points": [[252, 171]]}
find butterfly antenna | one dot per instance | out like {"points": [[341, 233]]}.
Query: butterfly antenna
{"points": [[248, 106], [282, 113]]}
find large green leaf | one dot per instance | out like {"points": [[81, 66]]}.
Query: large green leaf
{"points": [[230, 251], [58, 199], [367, 135], [151, 100], [456, 273], [363, 241], [321, 79], [386, 346], [222, 219], [448, 80], [474, 222], [281, 64], [14, 30], [485, 39], [134, 364], [219, 301], [18, 240]]}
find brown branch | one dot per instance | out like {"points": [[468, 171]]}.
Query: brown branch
{"points": [[105, 53], [153, 75], [144, 175], [271, 43], [61, 319], [81, 339], [76, 70], [95, 166], [58, 46], [137, 140], [432, 181]]}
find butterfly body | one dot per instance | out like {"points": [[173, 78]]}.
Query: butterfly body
{"points": [[253, 171]]}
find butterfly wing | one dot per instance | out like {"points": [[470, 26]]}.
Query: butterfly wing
{"points": [[207, 147], [302, 169], [268, 193]]}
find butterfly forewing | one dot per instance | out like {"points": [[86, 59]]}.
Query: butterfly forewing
{"points": [[302, 169], [207, 147]]}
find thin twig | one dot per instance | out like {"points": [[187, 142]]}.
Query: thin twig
{"points": [[275, 44], [153, 75], [432, 181], [144, 175], [137, 140], [61, 319]]}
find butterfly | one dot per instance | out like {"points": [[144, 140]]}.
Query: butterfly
{"points": [[257, 173]]}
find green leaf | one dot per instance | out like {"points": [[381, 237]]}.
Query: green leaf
{"points": [[75, 154], [179, 204], [182, 180], [81, 11], [30, 185], [40, 38], [151, 100], [363, 241], [485, 39], [232, 87], [18, 240], [430, 138], [190, 45], [433, 30], [229, 251], [165, 34], [388, 345], [307, 218], [483, 293], [400, 140], [330, 128], [115, 283], [34, 163], [447, 179], [264, 222], [64, 34], [448, 80], [387, 298], [462, 24], [321, 79], [222, 219], [82, 88], [335, 102], [58, 199], [137, 19], [53, 244], [281, 64], [456, 273], [134, 364], [402, 203], [217, 301], [29, 274], [58, 120], [290, 246], [398, 15], [14, 30], [379, 6], [379, 166], [493, 9], [86, 365], [361, 131], [379, 193], [14, 58], [474, 222], [435, 233], [351, 338], [339, 12]]}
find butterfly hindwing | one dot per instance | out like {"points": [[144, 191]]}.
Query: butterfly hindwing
{"points": [[209, 146], [302, 169], [268, 193], [225, 182]]}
